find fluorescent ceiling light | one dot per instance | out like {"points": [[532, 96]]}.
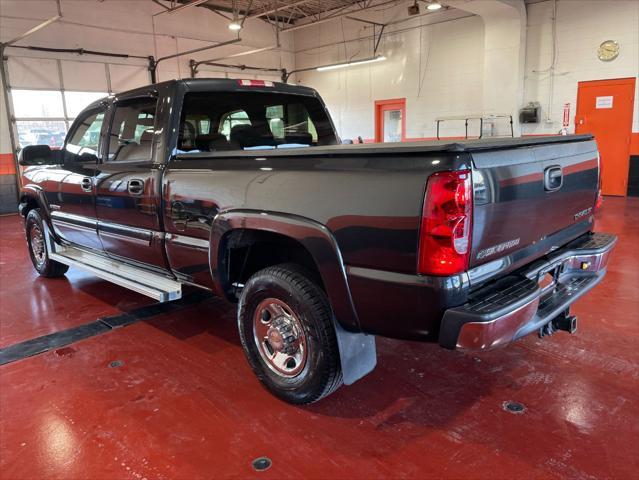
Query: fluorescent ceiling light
{"points": [[350, 64], [235, 25], [434, 6]]}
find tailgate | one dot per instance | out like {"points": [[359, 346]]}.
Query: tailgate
{"points": [[529, 201]]}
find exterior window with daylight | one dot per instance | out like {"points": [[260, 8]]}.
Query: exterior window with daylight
{"points": [[77, 101], [44, 116], [39, 117]]}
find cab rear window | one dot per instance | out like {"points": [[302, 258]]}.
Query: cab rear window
{"points": [[251, 121]]}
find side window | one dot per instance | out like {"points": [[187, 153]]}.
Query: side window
{"points": [[230, 120], [84, 140], [131, 134]]}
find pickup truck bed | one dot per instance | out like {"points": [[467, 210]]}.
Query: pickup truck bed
{"points": [[469, 243], [392, 148]]}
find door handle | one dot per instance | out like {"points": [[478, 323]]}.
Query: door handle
{"points": [[86, 184], [136, 187]]}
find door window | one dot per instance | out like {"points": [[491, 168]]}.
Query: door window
{"points": [[131, 134], [390, 120], [84, 139]]}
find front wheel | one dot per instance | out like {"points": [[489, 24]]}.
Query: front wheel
{"points": [[38, 252], [288, 336]]}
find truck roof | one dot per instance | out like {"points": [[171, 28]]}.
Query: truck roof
{"points": [[220, 85]]}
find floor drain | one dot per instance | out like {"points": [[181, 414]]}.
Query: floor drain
{"points": [[262, 463], [514, 407], [116, 363]]}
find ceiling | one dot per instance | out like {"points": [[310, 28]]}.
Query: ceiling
{"points": [[285, 13]]}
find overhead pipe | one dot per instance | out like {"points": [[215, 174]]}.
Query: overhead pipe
{"points": [[194, 65], [77, 51], [153, 63], [241, 54]]}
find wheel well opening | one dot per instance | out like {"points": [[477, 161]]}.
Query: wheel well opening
{"points": [[30, 202], [245, 252]]}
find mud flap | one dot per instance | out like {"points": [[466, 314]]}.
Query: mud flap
{"points": [[357, 353]]}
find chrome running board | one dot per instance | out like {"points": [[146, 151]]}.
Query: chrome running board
{"points": [[152, 285]]}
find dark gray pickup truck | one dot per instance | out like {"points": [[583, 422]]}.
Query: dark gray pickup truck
{"points": [[243, 188]]}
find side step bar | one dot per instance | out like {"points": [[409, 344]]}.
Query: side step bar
{"points": [[152, 285]]}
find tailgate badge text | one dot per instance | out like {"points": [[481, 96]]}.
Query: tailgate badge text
{"points": [[487, 252]]}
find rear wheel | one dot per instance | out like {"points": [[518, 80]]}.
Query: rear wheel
{"points": [[288, 336], [38, 252]]}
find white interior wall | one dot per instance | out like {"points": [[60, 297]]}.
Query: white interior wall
{"points": [[433, 62], [581, 27], [436, 66], [447, 59]]}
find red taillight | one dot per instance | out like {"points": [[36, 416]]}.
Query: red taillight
{"points": [[444, 238], [599, 199]]}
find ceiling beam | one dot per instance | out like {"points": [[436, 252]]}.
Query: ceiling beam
{"points": [[37, 28], [201, 49], [278, 9], [192, 3], [338, 14]]}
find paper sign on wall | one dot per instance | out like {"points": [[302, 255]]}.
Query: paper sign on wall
{"points": [[604, 102], [566, 115]]}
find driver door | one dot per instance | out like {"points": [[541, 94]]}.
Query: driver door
{"points": [[72, 190], [128, 184]]}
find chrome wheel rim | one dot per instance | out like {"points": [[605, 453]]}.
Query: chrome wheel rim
{"points": [[36, 238], [279, 337]]}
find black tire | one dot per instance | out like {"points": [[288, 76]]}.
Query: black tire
{"points": [[321, 373], [34, 228]]}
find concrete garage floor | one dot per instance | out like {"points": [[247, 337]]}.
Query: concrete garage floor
{"points": [[182, 402]]}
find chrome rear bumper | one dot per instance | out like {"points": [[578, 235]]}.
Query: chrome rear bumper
{"points": [[517, 305]]}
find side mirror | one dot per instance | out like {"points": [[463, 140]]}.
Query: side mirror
{"points": [[39, 155]]}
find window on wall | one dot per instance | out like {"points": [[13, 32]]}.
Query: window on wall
{"points": [[77, 101], [44, 116]]}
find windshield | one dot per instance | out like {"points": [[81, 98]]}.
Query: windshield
{"points": [[217, 121]]}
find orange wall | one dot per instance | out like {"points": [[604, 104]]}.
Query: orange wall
{"points": [[7, 166], [634, 143]]}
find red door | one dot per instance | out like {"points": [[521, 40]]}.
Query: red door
{"points": [[604, 108], [390, 120]]}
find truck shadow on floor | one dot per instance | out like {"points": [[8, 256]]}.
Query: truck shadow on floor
{"points": [[414, 383]]}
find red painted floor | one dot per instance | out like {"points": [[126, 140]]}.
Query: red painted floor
{"points": [[185, 405], [32, 306]]}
